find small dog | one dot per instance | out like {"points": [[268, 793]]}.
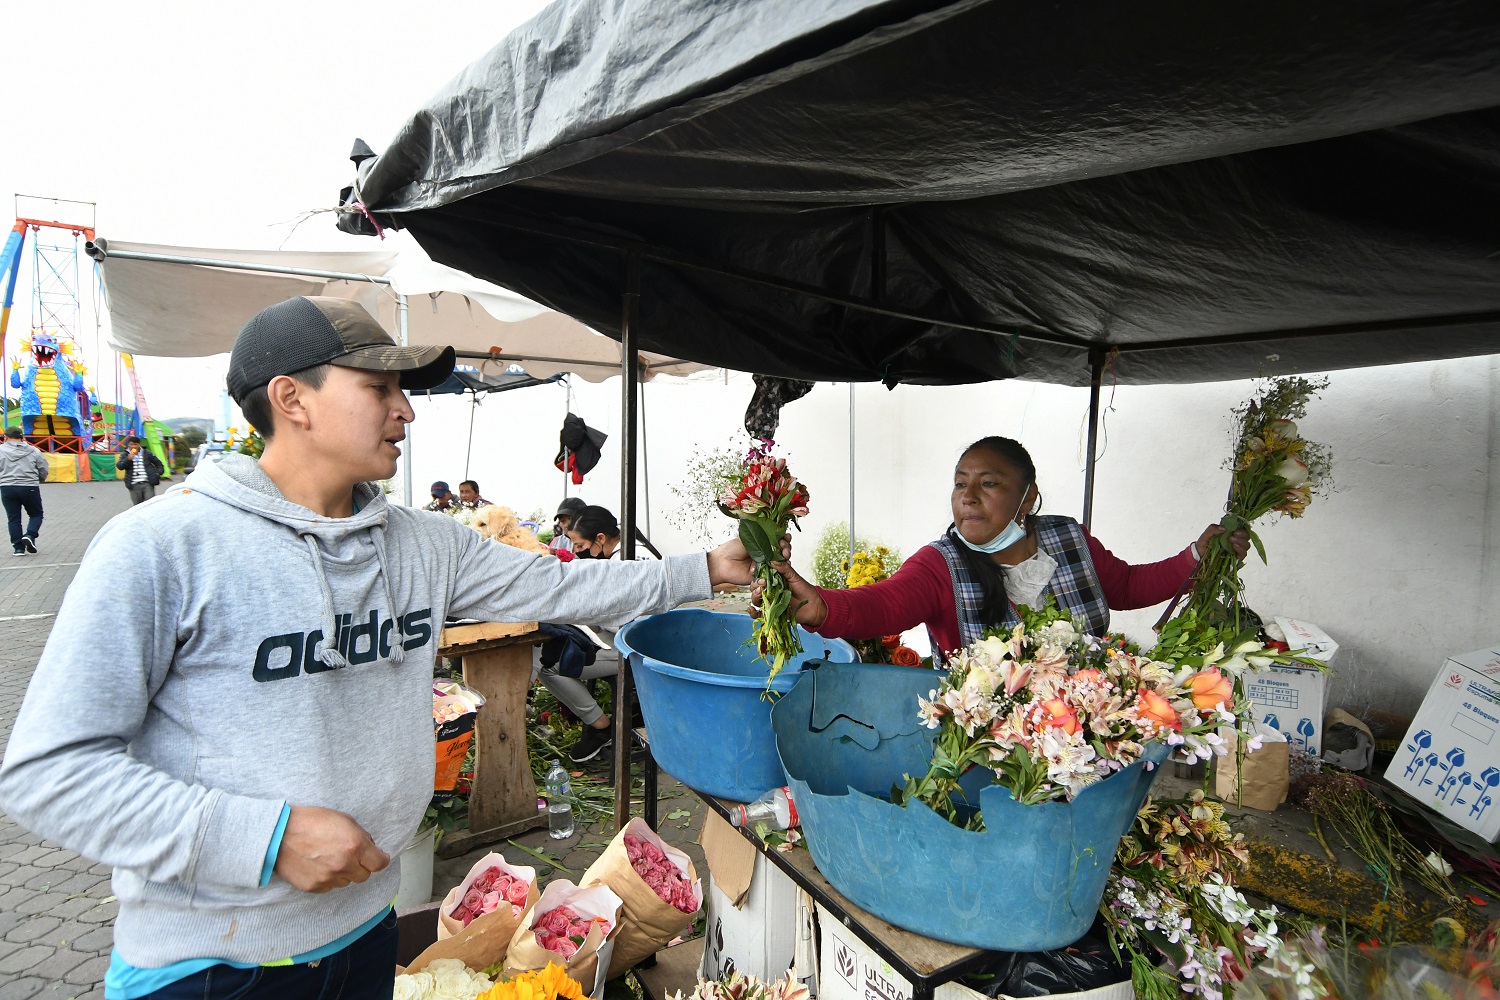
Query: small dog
{"points": [[500, 524]]}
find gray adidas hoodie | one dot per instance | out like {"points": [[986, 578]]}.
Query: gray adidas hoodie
{"points": [[21, 464], [164, 729]]}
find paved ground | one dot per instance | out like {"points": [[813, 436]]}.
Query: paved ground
{"points": [[56, 909]]}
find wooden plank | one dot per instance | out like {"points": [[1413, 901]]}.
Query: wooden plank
{"points": [[467, 635], [455, 844], [504, 791], [676, 969]]}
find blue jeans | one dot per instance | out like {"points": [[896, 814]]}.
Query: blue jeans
{"points": [[15, 498], [366, 970]]}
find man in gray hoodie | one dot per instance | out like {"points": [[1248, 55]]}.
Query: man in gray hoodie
{"points": [[259, 742], [22, 471]]}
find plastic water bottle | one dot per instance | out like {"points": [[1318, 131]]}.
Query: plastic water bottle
{"points": [[559, 809], [777, 809]]}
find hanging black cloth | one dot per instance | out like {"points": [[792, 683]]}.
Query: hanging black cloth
{"points": [[771, 393], [579, 447]]}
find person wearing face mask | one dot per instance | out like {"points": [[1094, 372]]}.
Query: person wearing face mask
{"points": [[999, 553], [595, 534]]}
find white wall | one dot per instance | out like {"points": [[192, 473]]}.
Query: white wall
{"points": [[1400, 565]]}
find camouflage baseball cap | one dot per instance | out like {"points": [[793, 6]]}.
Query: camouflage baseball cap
{"points": [[308, 331]]}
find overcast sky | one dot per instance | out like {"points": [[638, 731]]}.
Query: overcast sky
{"points": [[212, 125]]}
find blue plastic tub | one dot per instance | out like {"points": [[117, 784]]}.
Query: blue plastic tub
{"points": [[701, 692], [1031, 882]]}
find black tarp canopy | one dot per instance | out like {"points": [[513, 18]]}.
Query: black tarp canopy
{"points": [[953, 192]]}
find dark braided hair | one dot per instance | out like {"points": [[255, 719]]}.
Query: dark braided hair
{"points": [[985, 571]]}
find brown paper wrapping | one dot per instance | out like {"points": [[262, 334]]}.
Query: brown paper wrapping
{"points": [[1263, 780], [486, 940], [589, 963], [647, 924]]}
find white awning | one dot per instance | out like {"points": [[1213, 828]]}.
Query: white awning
{"points": [[184, 310]]}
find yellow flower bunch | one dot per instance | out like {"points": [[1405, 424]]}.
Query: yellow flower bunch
{"points": [[867, 568], [551, 983]]}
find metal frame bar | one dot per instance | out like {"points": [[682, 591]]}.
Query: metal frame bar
{"points": [[99, 250], [1096, 377], [629, 402]]}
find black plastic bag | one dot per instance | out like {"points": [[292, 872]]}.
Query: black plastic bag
{"points": [[1086, 964]]}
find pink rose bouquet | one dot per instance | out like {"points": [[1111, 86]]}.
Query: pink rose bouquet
{"points": [[562, 930], [658, 872], [491, 888]]}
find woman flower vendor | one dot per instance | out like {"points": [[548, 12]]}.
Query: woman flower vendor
{"points": [[998, 553]]}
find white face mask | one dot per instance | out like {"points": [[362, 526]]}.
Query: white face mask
{"points": [[1010, 535]]}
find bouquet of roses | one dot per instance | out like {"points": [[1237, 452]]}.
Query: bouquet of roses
{"points": [[563, 931], [658, 872], [764, 497], [1050, 711], [488, 891], [441, 979], [1274, 471]]}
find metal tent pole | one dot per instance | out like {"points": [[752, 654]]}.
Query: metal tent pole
{"points": [[852, 544], [1096, 376], [630, 377], [402, 336]]}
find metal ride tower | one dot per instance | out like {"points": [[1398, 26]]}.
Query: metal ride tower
{"points": [[59, 407], [53, 372]]}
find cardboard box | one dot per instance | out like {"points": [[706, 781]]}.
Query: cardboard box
{"points": [[848, 969], [1450, 758], [1290, 699], [749, 908]]}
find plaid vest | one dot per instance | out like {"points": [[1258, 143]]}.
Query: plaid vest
{"points": [[1075, 585]]}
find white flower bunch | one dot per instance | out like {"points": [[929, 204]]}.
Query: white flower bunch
{"points": [[443, 979]]}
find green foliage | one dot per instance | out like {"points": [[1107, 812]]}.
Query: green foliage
{"points": [[831, 556], [254, 445]]}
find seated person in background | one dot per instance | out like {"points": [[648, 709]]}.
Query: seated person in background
{"points": [[468, 495], [562, 520], [442, 498], [595, 535]]}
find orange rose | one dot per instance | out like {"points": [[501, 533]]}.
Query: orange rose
{"points": [[1152, 707], [890, 641], [1211, 688], [905, 656], [1060, 715]]}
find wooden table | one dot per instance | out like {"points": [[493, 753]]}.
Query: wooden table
{"points": [[924, 962], [497, 664]]}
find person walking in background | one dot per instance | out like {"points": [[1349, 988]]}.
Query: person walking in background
{"points": [[22, 471], [142, 470]]}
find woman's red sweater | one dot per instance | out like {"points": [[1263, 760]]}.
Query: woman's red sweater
{"points": [[922, 591]]}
